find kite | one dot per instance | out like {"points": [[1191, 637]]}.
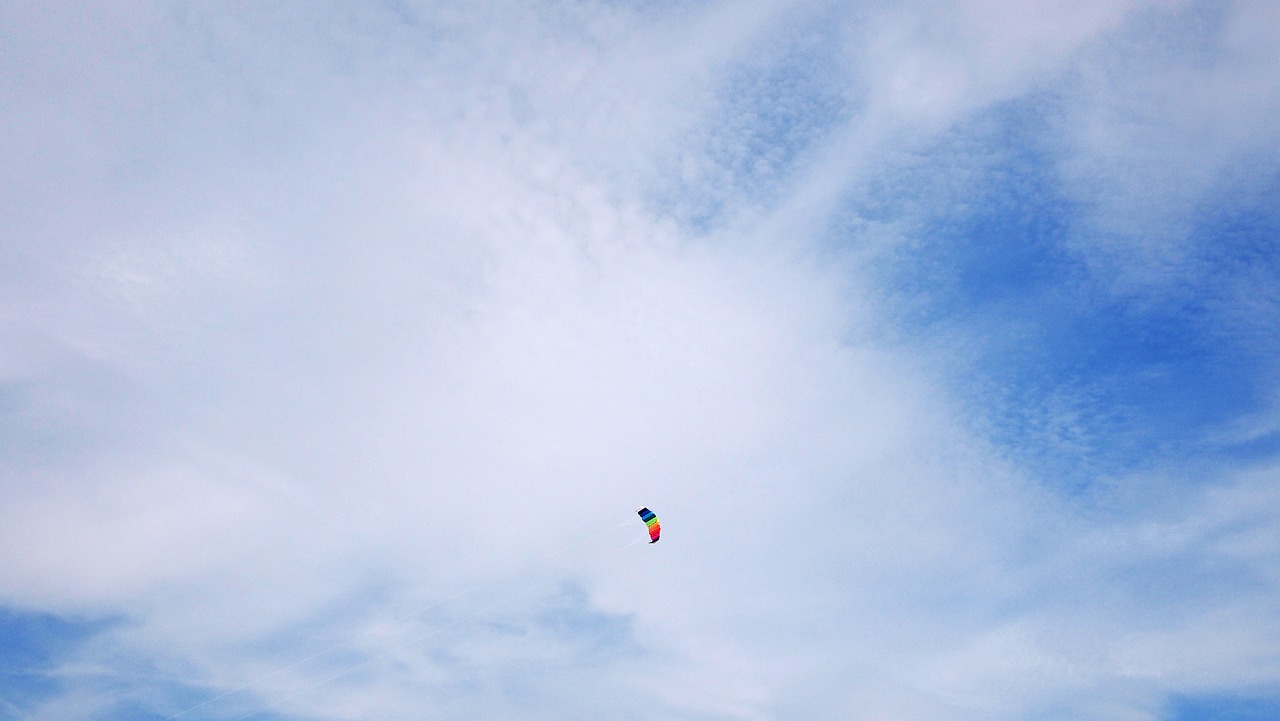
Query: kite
{"points": [[650, 520]]}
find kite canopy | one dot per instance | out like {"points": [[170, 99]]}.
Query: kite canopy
{"points": [[650, 520]]}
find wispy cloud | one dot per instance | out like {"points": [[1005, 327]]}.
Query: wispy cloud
{"points": [[935, 333]]}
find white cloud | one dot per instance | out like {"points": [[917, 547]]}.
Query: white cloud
{"points": [[1163, 125], [334, 318]]}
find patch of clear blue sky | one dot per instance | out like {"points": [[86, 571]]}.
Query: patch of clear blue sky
{"points": [[1224, 708], [1054, 365], [32, 645], [1079, 380]]}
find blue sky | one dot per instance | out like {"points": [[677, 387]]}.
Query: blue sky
{"points": [[340, 341]]}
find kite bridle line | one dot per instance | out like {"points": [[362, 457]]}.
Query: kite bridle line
{"points": [[401, 619]]}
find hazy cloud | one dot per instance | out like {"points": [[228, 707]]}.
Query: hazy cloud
{"points": [[354, 334]]}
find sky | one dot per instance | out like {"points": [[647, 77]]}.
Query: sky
{"points": [[340, 341]]}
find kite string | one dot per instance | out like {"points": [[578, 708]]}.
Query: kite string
{"points": [[393, 622]]}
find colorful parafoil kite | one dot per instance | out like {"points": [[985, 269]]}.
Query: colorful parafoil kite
{"points": [[650, 520]]}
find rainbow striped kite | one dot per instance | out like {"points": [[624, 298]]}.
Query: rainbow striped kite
{"points": [[650, 520]]}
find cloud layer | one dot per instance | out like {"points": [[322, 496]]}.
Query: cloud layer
{"points": [[340, 343]]}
